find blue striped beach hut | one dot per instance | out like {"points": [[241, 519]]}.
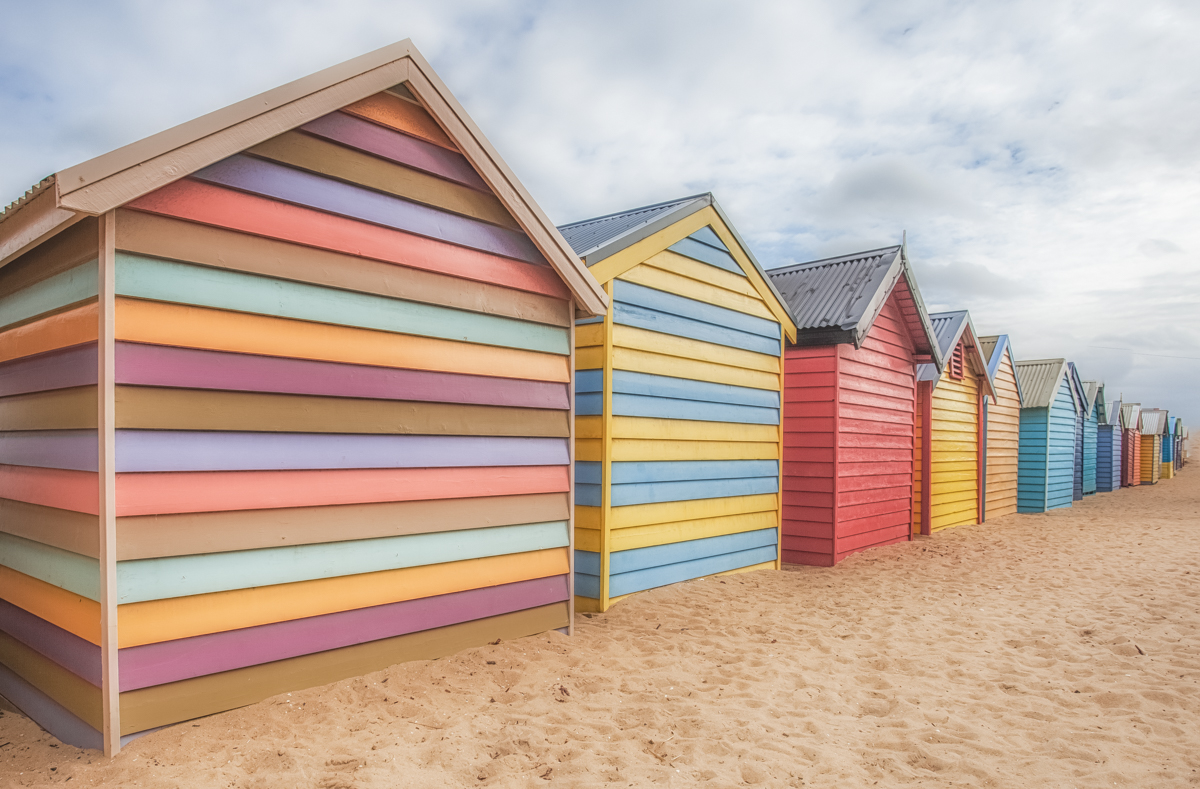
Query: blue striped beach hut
{"points": [[1048, 424], [1108, 444]]}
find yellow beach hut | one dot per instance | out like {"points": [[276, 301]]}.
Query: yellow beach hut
{"points": [[1154, 421], [948, 444], [678, 403]]}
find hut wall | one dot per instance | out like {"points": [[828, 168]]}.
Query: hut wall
{"points": [[1047, 454], [848, 444], [1150, 462], [680, 406], [1077, 480], [1003, 443], [1109, 458], [1090, 428], [49, 495], [342, 410], [1131, 444], [1168, 456]]}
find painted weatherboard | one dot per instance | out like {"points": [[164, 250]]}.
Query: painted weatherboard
{"points": [[1003, 429], [677, 405], [849, 401], [949, 446], [1131, 444], [1154, 422], [49, 530], [1092, 391], [1168, 448], [341, 435], [1109, 445], [1047, 451]]}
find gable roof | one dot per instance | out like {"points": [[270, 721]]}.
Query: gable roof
{"points": [[836, 300], [1153, 421], [1090, 390], [1040, 380], [948, 329], [601, 238], [1113, 413], [118, 177], [992, 348], [1131, 416]]}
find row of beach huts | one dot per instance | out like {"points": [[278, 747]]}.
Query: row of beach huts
{"points": [[310, 386]]}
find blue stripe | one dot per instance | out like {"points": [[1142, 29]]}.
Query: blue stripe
{"points": [[683, 307], [633, 493], [651, 320], [586, 584], [587, 562], [706, 254], [589, 404], [627, 382], [667, 408], [586, 321], [587, 495], [705, 235], [589, 381], [588, 472], [641, 580], [660, 555]]}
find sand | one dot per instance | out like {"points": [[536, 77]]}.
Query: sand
{"points": [[1058, 650]]}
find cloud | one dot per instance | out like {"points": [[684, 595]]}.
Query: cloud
{"points": [[1159, 247]]}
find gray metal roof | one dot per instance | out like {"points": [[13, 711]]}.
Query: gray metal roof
{"points": [[1154, 421], [592, 235], [947, 328], [30, 193], [1040, 379], [1131, 416], [1112, 412], [992, 349], [1090, 390]]}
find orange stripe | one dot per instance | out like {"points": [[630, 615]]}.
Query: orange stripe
{"points": [[182, 617], [72, 327], [213, 205], [59, 607], [78, 491], [200, 327], [160, 493], [401, 115]]}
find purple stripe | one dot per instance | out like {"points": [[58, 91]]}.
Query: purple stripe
{"points": [[397, 147], [202, 450], [323, 194], [48, 713], [80, 657], [76, 450], [157, 365], [171, 661], [74, 366]]}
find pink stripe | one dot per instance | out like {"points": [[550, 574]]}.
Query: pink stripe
{"points": [[171, 661], [155, 365]]}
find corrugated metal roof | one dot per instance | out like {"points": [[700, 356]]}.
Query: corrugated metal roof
{"points": [[1154, 421], [1112, 412], [31, 193], [1131, 416], [1040, 379], [1090, 390], [834, 292], [947, 328], [988, 349], [592, 234]]}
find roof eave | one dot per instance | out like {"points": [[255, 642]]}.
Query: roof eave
{"points": [[878, 299], [911, 278], [33, 222], [642, 232]]}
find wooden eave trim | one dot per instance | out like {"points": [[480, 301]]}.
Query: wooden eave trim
{"points": [[33, 223], [631, 237], [910, 277], [810, 337], [425, 84]]}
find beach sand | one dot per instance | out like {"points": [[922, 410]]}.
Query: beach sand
{"points": [[1058, 650]]}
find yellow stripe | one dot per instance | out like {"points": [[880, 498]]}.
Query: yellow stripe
{"points": [[589, 427], [658, 364], [684, 348], [587, 517], [672, 282], [752, 568], [587, 540], [672, 511], [620, 262], [589, 449], [679, 531], [690, 430], [589, 334], [589, 358], [638, 449]]}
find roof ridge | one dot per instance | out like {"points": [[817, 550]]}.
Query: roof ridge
{"points": [[616, 214], [830, 260]]}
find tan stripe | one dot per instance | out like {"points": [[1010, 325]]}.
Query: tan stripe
{"points": [[347, 164], [164, 237], [80, 697], [57, 409], [65, 251], [76, 532], [153, 408], [150, 536]]}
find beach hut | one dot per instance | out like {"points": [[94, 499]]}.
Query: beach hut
{"points": [[849, 402], [1002, 427], [1108, 444], [1048, 418], [1131, 444], [1168, 448], [1080, 410], [949, 442], [1180, 434], [286, 398], [1154, 422], [1091, 402], [678, 411]]}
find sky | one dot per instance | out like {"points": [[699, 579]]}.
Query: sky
{"points": [[1041, 157]]}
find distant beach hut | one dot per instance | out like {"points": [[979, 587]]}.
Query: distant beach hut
{"points": [[1048, 421], [285, 393], [1002, 426], [1092, 404], [1080, 416], [1131, 444], [1168, 448], [949, 443], [1108, 444], [849, 394], [678, 410], [1180, 433], [1154, 422]]}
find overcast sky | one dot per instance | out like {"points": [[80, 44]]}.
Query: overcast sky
{"points": [[1041, 155]]}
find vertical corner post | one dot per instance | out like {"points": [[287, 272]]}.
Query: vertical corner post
{"points": [[106, 429], [606, 450]]}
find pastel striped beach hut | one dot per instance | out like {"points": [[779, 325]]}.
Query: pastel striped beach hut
{"points": [[677, 410], [1091, 425], [1002, 428], [1168, 448], [1154, 422], [949, 443], [1048, 419], [286, 399], [1109, 444], [849, 402], [1131, 444]]}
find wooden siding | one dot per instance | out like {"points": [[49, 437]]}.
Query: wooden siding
{"points": [[848, 443], [1150, 460], [49, 555], [1109, 454], [677, 414], [1003, 443], [1131, 458], [1047, 454], [1090, 428]]}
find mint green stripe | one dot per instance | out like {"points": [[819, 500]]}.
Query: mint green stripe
{"points": [[177, 576], [184, 283], [77, 284], [70, 571]]}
